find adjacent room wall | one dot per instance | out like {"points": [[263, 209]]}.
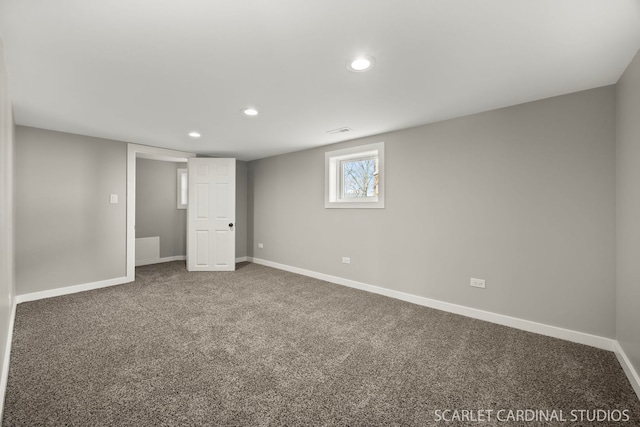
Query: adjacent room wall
{"points": [[241, 227], [523, 197], [7, 291], [628, 211], [67, 232], [156, 206]]}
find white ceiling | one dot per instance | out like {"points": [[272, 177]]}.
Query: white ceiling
{"points": [[150, 71]]}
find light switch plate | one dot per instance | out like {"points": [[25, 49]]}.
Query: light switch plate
{"points": [[477, 283], [113, 199]]}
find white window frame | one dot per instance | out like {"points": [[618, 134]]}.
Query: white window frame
{"points": [[182, 190], [333, 177]]}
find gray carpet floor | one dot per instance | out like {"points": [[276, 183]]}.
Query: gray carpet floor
{"points": [[263, 347]]}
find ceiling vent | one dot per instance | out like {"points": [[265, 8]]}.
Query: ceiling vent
{"points": [[338, 131]]}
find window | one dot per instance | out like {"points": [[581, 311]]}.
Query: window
{"points": [[183, 189], [354, 177]]}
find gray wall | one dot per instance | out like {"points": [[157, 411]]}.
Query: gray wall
{"points": [[7, 291], [241, 209], [67, 233], [523, 197], [156, 211], [628, 211]]}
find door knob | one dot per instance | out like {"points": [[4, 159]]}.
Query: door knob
{"points": [[231, 224]]}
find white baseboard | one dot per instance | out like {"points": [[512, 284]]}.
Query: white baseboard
{"points": [[633, 376], [149, 261], [513, 322], [142, 262], [70, 289], [7, 357]]}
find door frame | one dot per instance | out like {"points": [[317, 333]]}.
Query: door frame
{"points": [[135, 151]]}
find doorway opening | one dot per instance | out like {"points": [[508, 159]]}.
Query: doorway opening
{"points": [[135, 152], [161, 211]]}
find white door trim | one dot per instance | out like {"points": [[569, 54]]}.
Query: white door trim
{"points": [[145, 152]]}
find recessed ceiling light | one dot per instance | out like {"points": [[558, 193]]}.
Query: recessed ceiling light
{"points": [[250, 111], [194, 134], [361, 64]]}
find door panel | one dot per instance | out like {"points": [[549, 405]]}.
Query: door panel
{"points": [[202, 248], [202, 201], [211, 211]]}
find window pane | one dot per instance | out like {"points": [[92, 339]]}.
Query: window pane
{"points": [[183, 188], [359, 178], [354, 177]]}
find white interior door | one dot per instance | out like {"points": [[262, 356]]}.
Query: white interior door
{"points": [[211, 237]]}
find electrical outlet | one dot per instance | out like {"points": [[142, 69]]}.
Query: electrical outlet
{"points": [[260, 246], [477, 283], [346, 260]]}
